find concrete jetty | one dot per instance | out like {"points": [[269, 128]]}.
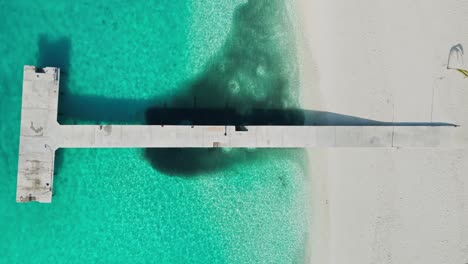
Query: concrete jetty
{"points": [[41, 136]]}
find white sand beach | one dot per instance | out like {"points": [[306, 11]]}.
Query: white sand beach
{"points": [[387, 61]]}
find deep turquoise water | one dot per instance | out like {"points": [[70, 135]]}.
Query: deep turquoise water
{"points": [[113, 206]]}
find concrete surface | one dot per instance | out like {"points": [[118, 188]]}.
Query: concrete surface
{"points": [[41, 135]]}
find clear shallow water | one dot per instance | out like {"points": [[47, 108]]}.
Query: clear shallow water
{"points": [[118, 59]]}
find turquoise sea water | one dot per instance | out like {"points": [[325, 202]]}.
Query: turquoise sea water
{"points": [[126, 206]]}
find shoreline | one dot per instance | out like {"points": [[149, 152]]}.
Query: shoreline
{"points": [[317, 238]]}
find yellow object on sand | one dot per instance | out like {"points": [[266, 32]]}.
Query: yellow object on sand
{"points": [[464, 72]]}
